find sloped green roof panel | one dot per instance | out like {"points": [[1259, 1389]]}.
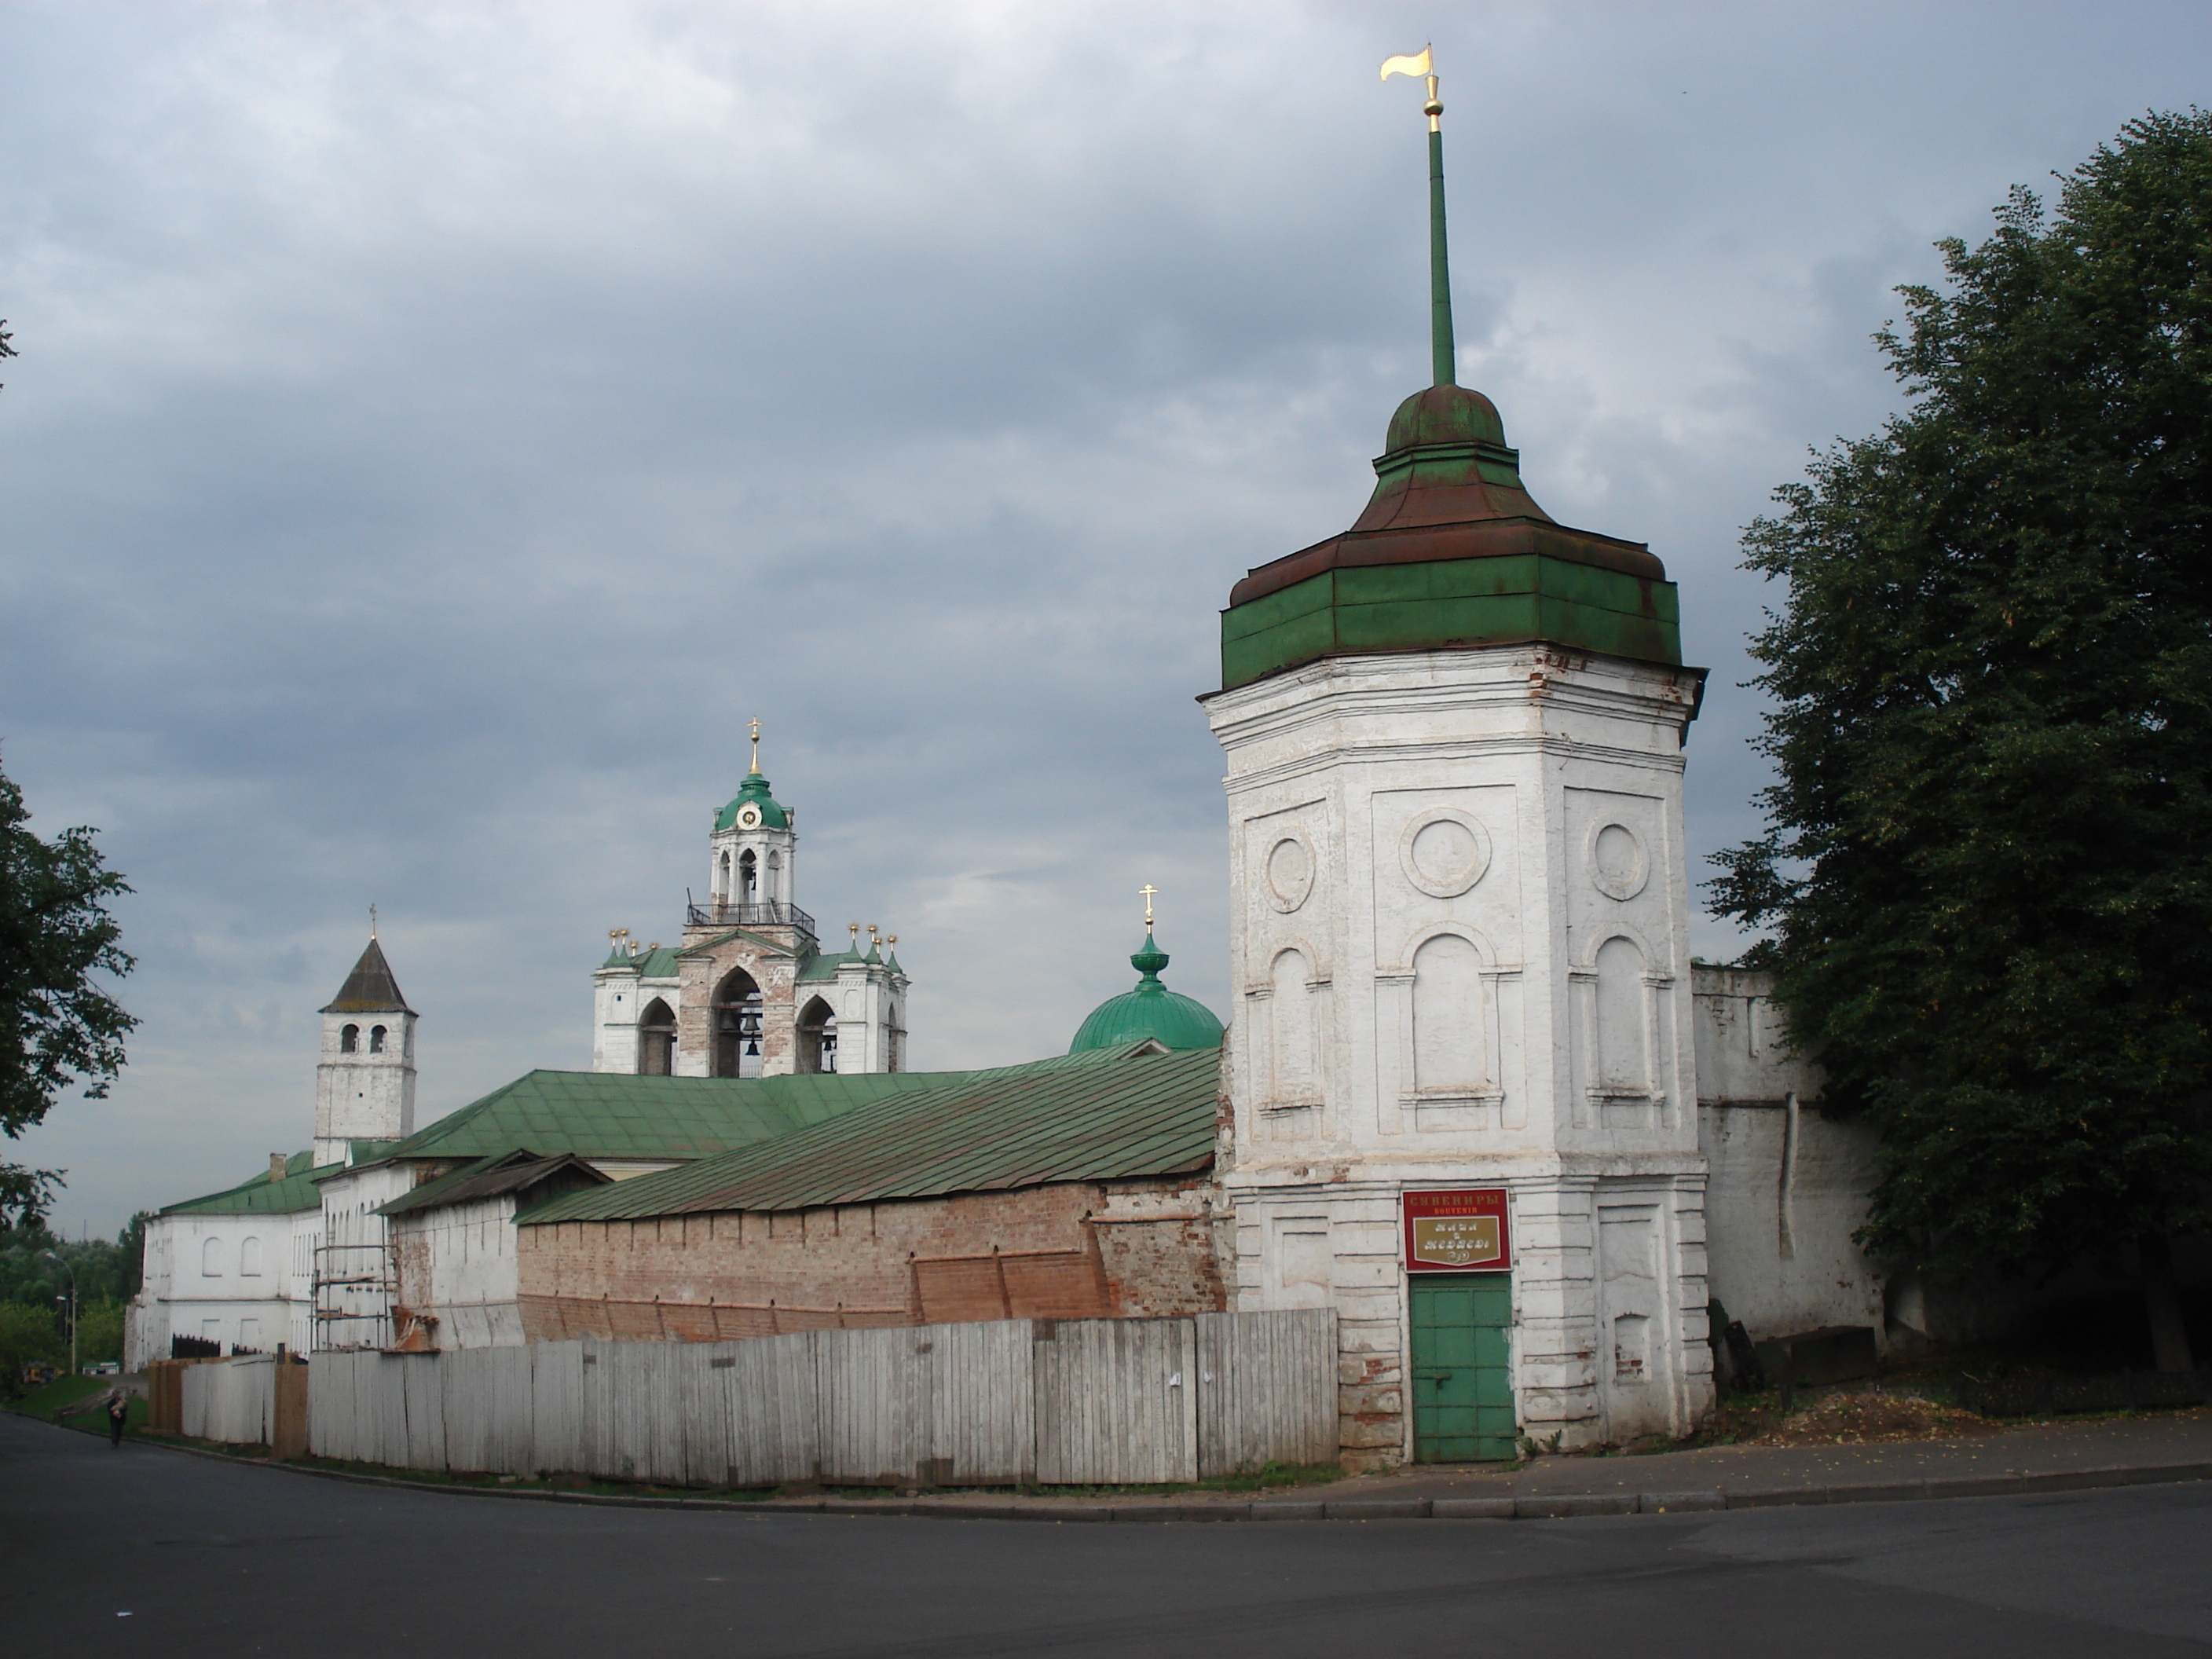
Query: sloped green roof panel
{"points": [[605, 1115], [1100, 1115], [261, 1196]]}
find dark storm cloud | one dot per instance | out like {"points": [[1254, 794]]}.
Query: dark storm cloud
{"points": [[441, 429]]}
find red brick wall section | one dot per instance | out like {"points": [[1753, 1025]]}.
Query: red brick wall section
{"points": [[775, 972], [1042, 1252]]}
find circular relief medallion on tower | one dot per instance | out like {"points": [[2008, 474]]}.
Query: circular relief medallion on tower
{"points": [[1444, 853], [1290, 873], [1618, 867], [750, 817]]}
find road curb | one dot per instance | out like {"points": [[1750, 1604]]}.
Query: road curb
{"points": [[1525, 1506]]}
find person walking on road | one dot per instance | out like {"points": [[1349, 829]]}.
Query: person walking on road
{"points": [[119, 1407]]}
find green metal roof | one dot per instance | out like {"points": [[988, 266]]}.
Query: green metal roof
{"points": [[487, 1177], [754, 791], [1168, 1017], [602, 1114], [819, 968], [1103, 1115], [658, 963], [1451, 552], [261, 1196]]}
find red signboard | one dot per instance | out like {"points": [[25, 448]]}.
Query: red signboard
{"points": [[1465, 1231]]}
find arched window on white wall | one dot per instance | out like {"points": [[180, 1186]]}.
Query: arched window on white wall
{"points": [[1624, 1064], [349, 1040], [249, 1258], [1451, 1052], [376, 1035], [211, 1259], [773, 892], [1290, 1030]]}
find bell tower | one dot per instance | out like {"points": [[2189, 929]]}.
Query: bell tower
{"points": [[753, 879], [365, 1081], [1459, 947]]}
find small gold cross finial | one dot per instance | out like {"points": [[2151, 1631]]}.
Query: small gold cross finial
{"points": [[372, 921], [756, 772], [1148, 889]]}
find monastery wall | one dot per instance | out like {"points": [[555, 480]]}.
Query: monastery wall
{"points": [[1081, 1250], [1787, 1185]]}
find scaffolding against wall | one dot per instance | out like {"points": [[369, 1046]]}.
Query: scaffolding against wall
{"points": [[355, 1286]]}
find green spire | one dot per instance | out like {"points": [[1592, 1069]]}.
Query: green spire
{"points": [[1446, 361]]}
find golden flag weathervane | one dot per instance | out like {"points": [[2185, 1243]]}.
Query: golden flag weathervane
{"points": [[1444, 356]]}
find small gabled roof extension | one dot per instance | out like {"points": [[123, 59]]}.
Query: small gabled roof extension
{"points": [[516, 1172], [1102, 1114]]}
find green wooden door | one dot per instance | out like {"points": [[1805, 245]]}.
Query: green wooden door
{"points": [[1462, 1379]]}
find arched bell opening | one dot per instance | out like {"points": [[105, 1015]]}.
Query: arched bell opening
{"points": [[747, 878], [656, 1040], [737, 1024], [818, 1038]]}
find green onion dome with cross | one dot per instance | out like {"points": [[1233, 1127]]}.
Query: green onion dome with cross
{"points": [[1170, 1018], [1452, 550], [753, 807]]}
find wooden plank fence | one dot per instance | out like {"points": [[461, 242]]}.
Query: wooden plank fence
{"points": [[1104, 1401]]}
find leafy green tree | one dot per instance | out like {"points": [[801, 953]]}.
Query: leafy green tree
{"points": [[99, 1332], [28, 1336], [59, 1027], [36, 1266], [1988, 865]]}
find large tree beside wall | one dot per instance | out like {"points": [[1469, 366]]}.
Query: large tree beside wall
{"points": [[60, 1028], [1987, 875]]}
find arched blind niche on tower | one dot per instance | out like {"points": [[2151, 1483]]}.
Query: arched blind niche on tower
{"points": [[1290, 1032], [1622, 1045], [1451, 1050]]}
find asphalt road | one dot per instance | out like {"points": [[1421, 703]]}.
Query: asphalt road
{"points": [[207, 1559]]}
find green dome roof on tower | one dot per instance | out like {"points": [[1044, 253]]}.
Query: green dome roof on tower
{"points": [[753, 793], [1170, 1018]]}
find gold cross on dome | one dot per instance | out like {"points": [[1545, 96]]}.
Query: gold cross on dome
{"points": [[756, 725], [1148, 889]]}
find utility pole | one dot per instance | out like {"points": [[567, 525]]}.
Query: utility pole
{"points": [[71, 1300]]}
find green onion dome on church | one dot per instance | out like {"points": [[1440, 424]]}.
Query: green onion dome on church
{"points": [[1170, 1018], [767, 812]]}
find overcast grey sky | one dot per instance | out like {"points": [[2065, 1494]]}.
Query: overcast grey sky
{"points": [[439, 429]]}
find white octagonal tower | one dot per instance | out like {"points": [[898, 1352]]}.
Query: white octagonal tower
{"points": [[1463, 1104]]}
